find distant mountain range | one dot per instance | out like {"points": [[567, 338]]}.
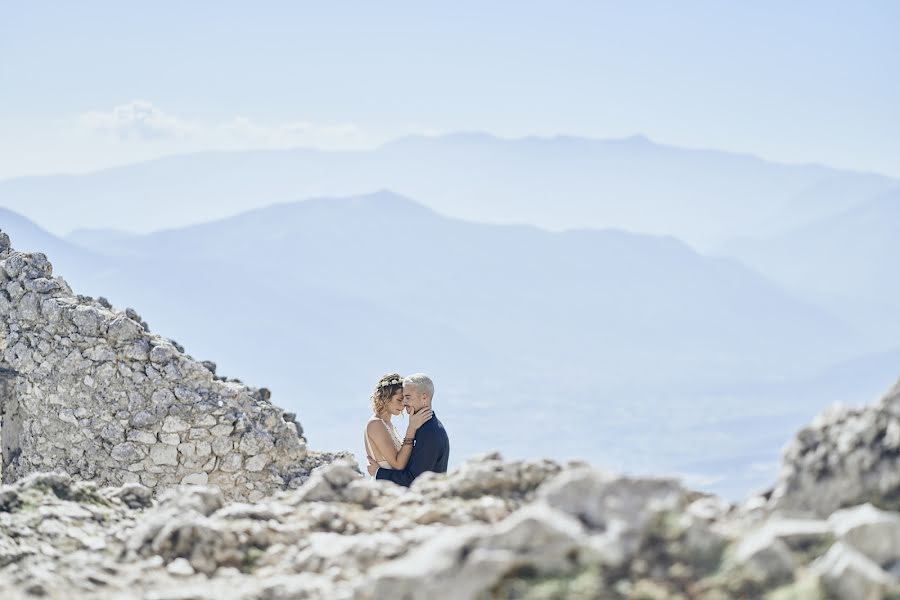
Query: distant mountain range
{"points": [[554, 301], [702, 197], [631, 349]]}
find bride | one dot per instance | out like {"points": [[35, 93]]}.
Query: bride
{"points": [[383, 443]]}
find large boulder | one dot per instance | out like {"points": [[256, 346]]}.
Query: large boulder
{"points": [[847, 456]]}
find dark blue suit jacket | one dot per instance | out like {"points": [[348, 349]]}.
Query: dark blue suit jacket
{"points": [[431, 452]]}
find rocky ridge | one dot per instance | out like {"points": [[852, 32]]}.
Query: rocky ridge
{"points": [[489, 529], [88, 389]]}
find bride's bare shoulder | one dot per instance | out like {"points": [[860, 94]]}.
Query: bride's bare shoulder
{"points": [[375, 425]]}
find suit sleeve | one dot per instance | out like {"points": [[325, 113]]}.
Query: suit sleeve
{"points": [[424, 458]]}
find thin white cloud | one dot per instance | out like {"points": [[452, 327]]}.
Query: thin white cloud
{"points": [[138, 119]]}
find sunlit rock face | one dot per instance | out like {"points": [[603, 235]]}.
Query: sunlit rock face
{"points": [[846, 456], [89, 391]]}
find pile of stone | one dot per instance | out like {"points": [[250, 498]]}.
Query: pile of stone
{"points": [[489, 529], [87, 389]]}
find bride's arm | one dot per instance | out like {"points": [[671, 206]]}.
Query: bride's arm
{"points": [[384, 444]]}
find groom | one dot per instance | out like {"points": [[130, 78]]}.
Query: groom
{"points": [[431, 449]]}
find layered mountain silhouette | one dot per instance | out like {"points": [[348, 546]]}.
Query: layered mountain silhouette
{"points": [[702, 197], [571, 298]]}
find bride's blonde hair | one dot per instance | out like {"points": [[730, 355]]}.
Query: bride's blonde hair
{"points": [[386, 387]]}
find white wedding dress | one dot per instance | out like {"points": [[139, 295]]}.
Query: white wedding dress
{"points": [[370, 447]]}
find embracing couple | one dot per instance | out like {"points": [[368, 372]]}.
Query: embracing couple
{"points": [[425, 447]]}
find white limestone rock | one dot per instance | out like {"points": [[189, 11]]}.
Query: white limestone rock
{"points": [[873, 532], [766, 558], [847, 456], [847, 574]]}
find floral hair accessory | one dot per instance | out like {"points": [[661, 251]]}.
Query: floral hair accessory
{"points": [[389, 383]]}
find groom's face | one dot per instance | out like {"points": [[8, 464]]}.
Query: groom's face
{"points": [[413, 399]]}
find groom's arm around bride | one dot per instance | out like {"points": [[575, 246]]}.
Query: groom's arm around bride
{"points": [[431, 452]]}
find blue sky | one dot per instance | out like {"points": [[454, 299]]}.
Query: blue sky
{"points": [[791, 81]]}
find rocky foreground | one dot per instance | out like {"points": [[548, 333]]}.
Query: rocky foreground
{"points": [[489, 529]]}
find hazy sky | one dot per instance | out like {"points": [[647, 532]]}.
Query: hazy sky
{"points": [[91, 83]]}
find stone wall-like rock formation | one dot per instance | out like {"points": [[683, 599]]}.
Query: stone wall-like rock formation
{"points": [[87, 390]]}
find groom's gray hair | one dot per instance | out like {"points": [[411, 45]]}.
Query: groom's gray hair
{"points": [[421, 382]]}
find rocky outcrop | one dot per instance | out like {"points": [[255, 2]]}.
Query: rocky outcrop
{"points": [[489, 529], [90, 391], [845, 457]]}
